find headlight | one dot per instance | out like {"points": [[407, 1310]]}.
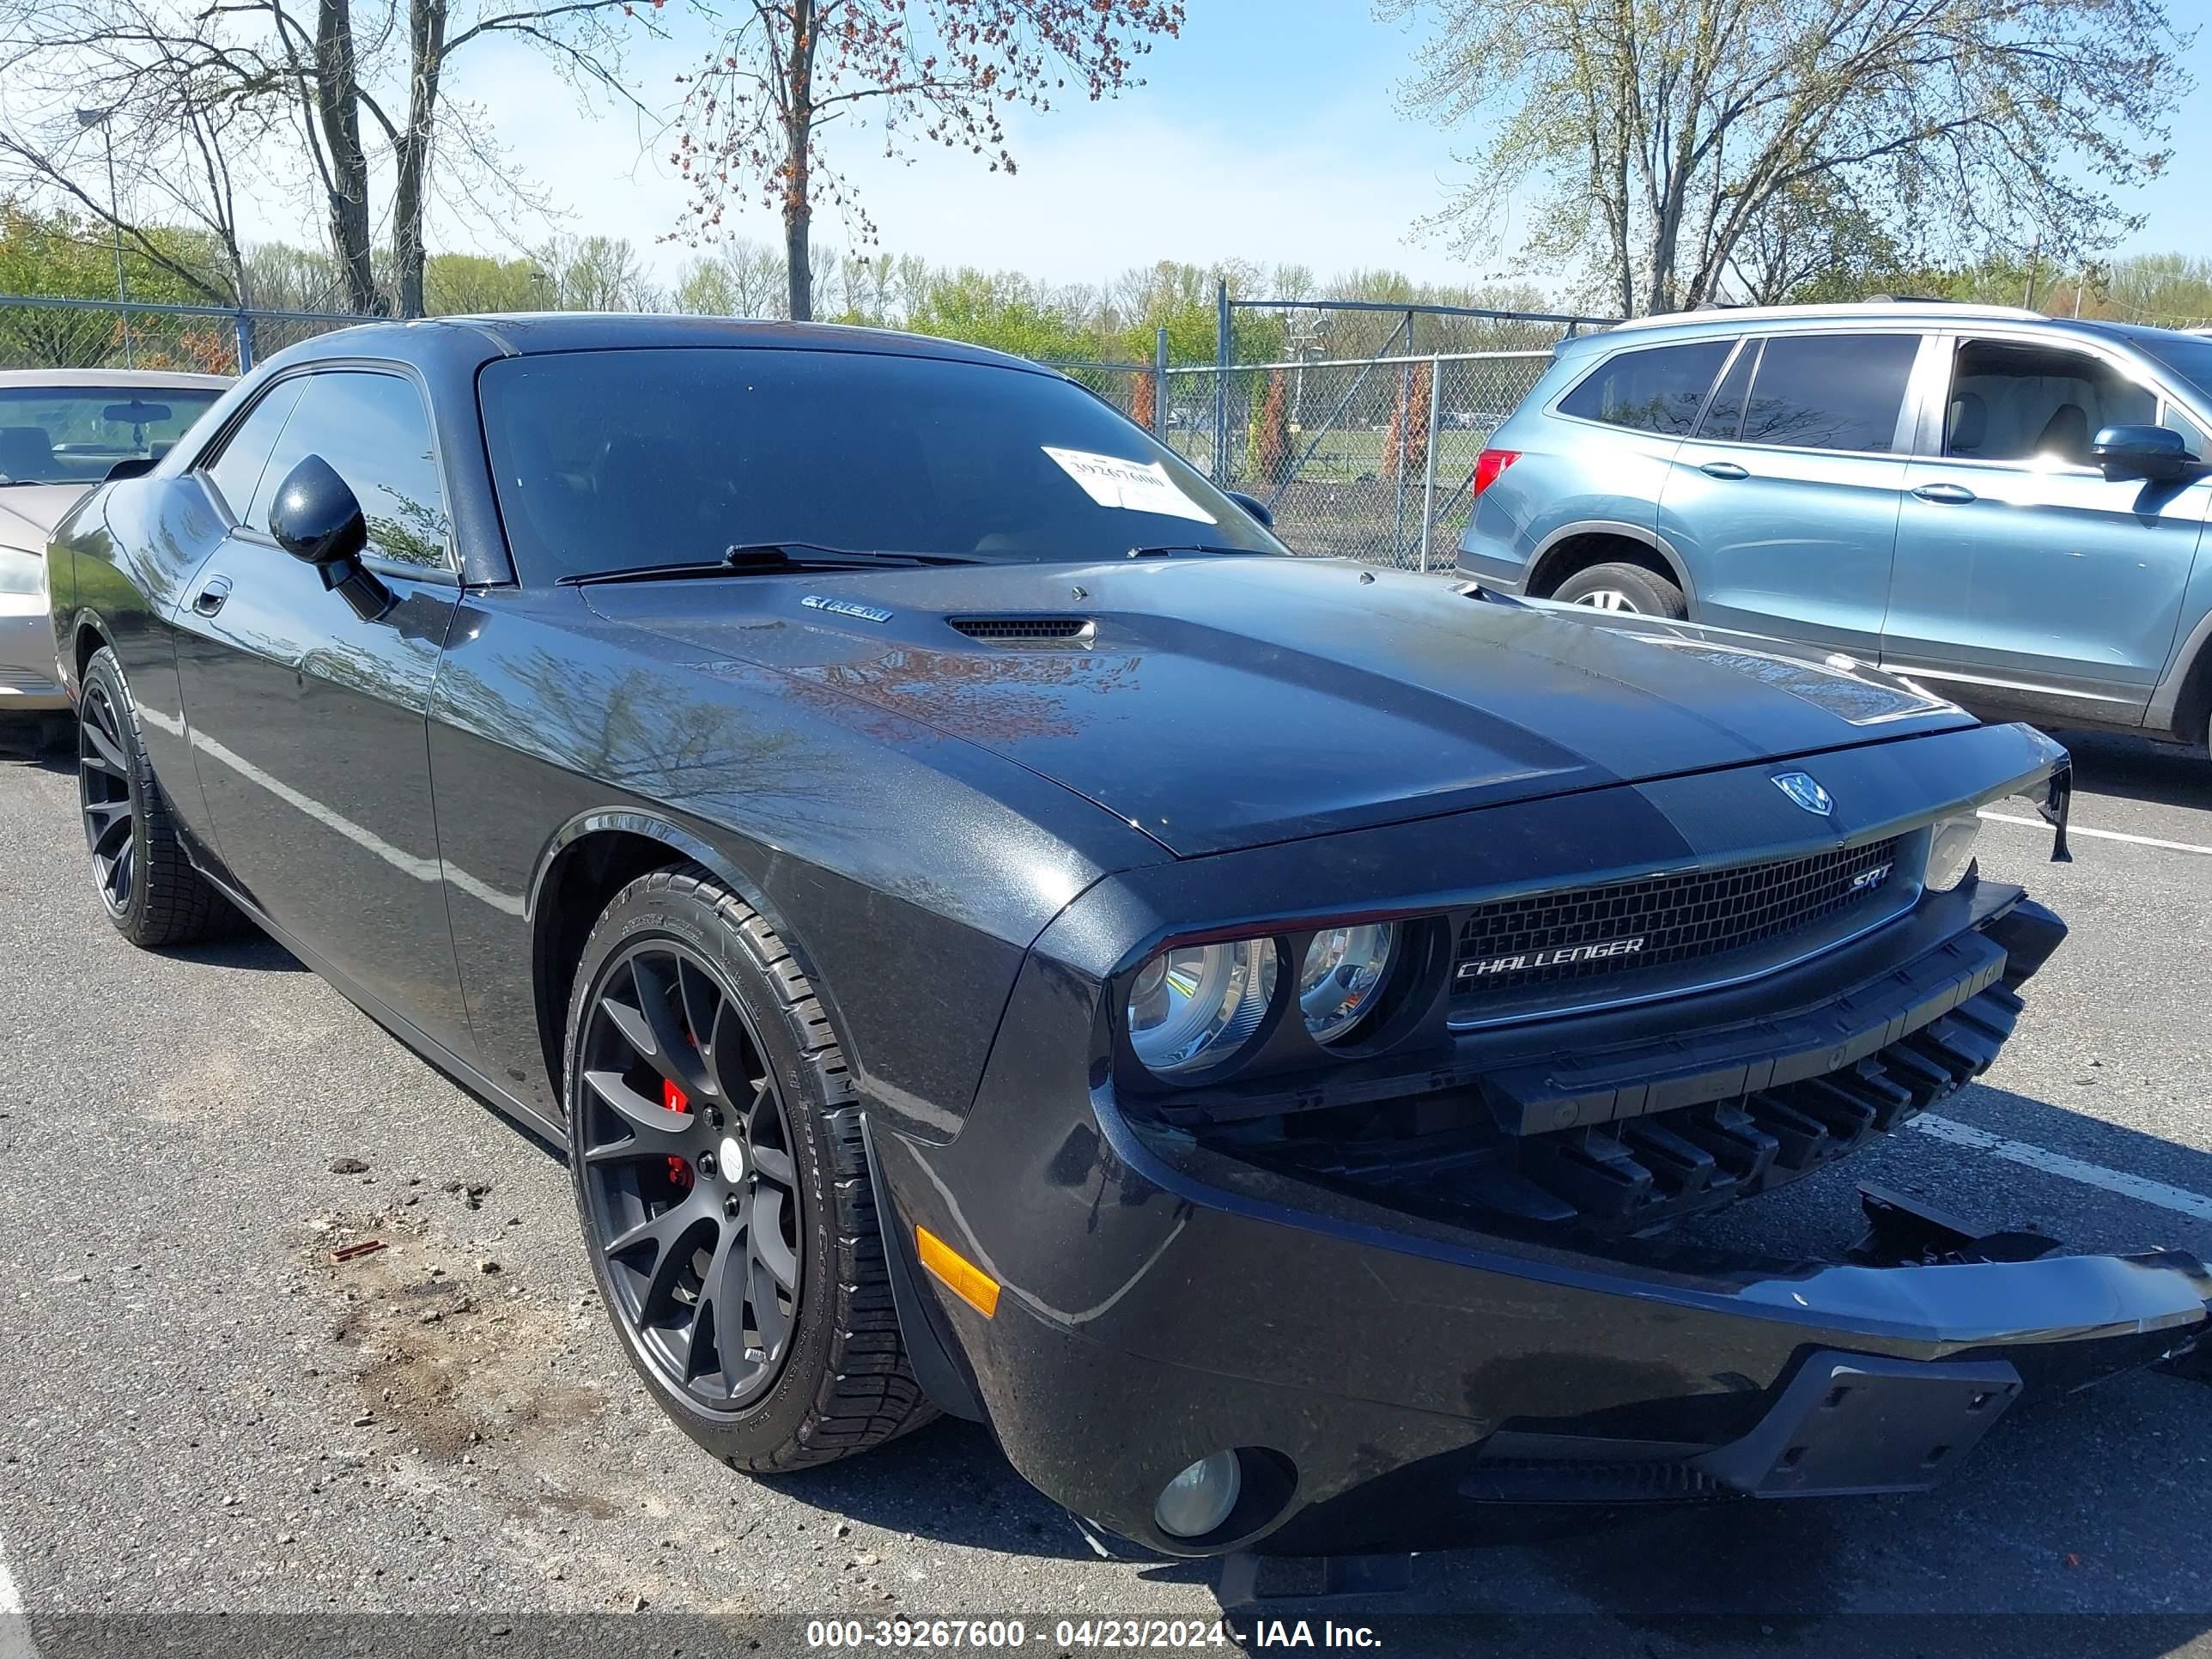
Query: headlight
{"points": [[21, 572], [1196, 1005], [1343, 970], [1951, 851]]}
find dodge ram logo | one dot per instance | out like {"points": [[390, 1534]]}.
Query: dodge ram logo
{"points": [[1805, 792], [1562, 957]]}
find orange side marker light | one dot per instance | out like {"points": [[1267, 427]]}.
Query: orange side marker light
{"points": [[959, 1275]]}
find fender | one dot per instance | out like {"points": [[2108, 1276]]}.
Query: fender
{"points": [[1624, 530], [628, 820]]}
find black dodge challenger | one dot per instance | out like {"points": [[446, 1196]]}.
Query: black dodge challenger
{"points": [[994, 935]]}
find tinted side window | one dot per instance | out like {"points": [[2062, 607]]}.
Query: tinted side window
{"points": [[1724, 414], [237, 466], [1831, 390], [374, 431], [2009, 402], [1659, 390]]}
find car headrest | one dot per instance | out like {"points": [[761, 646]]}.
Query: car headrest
{"points": [[25, 451], [1970, 424], [2066, 433]]}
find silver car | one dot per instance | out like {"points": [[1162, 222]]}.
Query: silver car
{"points": [[61, 431]]}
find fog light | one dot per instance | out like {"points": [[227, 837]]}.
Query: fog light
{"points": [[1199, 1499]]}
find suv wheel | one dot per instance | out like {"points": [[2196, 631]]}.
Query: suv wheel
{"points": [[714, 1141], [1623, 588]]}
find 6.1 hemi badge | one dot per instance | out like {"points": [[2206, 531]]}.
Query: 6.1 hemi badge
{"points": [[1559, 958]]}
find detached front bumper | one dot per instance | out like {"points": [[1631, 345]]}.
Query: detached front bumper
{"points": [[1395, 1380]]}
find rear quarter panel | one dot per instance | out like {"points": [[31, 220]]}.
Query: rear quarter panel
{"points": [[1572, 476]]}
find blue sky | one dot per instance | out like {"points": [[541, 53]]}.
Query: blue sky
{"points": [[1269, 131]]}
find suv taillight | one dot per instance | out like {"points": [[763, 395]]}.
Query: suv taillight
{"points": [[1489, 466]]}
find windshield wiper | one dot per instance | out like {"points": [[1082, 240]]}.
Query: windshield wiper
{"points": [[745, 555], [753, 558]]}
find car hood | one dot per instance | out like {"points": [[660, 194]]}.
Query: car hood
{"points": [[1221, 702], [28, 513]]}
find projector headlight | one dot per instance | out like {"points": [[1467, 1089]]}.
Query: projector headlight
{"points": [[1343, 970], [1951, 851], [1195, 1006]]}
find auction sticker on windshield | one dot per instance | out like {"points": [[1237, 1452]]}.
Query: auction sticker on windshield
{"points": [[1135, 486]]}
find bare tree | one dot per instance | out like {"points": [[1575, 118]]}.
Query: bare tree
{"points": [[332, 92], [753, 114], [1665, 131], [121, 84]]}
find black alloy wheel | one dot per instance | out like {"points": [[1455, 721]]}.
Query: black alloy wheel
{"points": [[104, 797], [690, 1183], [147, 881]]}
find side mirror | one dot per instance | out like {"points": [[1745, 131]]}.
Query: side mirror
{"points": [[317, 519], [2155, 452], [1254, 506]]}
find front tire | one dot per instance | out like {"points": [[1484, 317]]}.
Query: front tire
{"points": [[723, 1184], [1624, 589], [147, 883]]}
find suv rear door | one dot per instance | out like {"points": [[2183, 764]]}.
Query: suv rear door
{"points": [[2019, 570], [1784, 501]]}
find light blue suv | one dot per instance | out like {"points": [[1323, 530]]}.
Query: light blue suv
{"points": [[2005, 506]]}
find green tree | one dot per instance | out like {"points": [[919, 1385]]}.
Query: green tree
{"points": [[1004, 311]]}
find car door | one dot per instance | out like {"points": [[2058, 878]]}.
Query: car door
{"points": [[308, 724], [2024, 578], [1783, 502]]}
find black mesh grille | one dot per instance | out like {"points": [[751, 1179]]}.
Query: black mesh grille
{"points": [[1634, 926], [1021, 630]]}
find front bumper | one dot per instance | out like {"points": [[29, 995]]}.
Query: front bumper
{"points": [[1394, 1378], [27, 658]]}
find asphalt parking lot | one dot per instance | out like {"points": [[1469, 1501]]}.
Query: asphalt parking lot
{"points": [[206, 1415]]}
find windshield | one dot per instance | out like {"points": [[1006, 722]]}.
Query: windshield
{"points": [[2188, 356], [73, 434], [609, 460]]}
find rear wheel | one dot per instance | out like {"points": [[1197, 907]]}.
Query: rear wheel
{"points": [[151, 892], [715, 1142], [1627, 588]]}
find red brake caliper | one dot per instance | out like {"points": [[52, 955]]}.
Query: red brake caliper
{"points": [[679, 1171]]}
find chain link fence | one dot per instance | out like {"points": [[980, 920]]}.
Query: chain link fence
{"points": [[1368, 458], [40, 332]]}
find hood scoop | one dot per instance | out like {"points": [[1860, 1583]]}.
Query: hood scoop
{"points": [[1076, 632]]}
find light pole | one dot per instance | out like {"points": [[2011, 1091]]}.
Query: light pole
{"points": [[104, 119]]}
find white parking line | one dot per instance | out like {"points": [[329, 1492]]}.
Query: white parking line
{"points": [[2140, 1188], [15, 1628], [2103, 834]]}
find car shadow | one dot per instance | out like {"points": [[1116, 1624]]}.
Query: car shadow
{"points": [[248, 947], [2136, 769]]}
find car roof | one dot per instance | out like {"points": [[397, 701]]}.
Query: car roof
{"points": [[524, 334], [119, 378], [1917, 311]]}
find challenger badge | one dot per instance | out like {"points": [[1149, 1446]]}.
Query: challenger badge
{"points": [[1563, 957]]}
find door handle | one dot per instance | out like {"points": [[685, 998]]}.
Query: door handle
{"points": [[211, 598], [1951, 494], [1723, 470]]}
